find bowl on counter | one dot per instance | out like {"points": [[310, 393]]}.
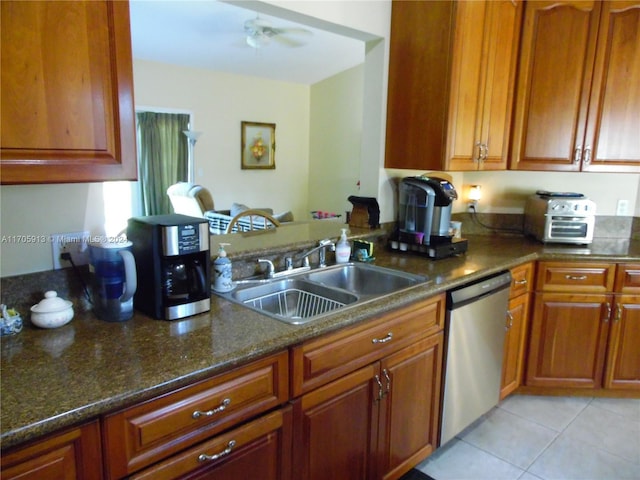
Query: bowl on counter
{"points": [[52, 311]]}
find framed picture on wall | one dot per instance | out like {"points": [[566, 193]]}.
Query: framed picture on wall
{"points": [[258, 145]]}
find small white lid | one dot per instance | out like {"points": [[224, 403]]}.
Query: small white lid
{"points": [[51, 303]]}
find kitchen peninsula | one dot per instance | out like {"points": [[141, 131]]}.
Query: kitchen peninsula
{"points": [[89, 369]]}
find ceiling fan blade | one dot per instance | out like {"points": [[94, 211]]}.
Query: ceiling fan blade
{"points": [[287, 41], [292, 31]]}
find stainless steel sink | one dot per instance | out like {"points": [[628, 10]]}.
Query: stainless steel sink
{"points": [[303, 297], [364, 279], [293, 300]]}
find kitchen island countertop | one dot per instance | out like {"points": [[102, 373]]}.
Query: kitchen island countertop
{"points": [[53, 379]]}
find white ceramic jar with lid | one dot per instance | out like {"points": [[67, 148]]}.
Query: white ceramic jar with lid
{"points": [[52, 311]]}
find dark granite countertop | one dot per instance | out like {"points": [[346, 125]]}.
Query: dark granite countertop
{"points": [[57, 378]]}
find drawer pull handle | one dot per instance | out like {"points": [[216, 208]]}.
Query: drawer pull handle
{"points": [[575, 277], [225, 403], [203, 457], [383, 340], [520, 282]]}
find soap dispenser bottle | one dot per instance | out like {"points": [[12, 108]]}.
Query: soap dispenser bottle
{"points": [[222, 271], [343, 249]]}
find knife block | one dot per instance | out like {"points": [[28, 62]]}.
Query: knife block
{"points": [[359, 217]]}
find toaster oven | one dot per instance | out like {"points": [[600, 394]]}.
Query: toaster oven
{"points": [[560, 218]]}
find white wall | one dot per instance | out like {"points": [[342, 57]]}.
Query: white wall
{"points": [[219, 102], [334, 148], [506, 192]]}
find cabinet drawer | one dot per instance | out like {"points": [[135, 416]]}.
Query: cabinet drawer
{"points": [[319, 361], [71, 454], [575, 277], [256, 446], [521, 279], [628, 278], [151, 431]]}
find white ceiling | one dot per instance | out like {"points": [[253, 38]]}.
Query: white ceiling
{"points": [[210, 34]]}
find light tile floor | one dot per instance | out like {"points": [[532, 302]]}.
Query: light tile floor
{"points": [[545, 438]]}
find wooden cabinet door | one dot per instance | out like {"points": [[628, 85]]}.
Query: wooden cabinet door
{"points": [[70, 455], [419, 59], [623, 356], [335, 428], [554, 83], [66, 92], [514, 344], [614, 110], [482, 84], [410, 410], [568, 340]]}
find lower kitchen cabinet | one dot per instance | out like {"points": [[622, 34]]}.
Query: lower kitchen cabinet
{"points": [[378, 420], [623, 356], [410, 407], [259, 450], [335, 428], [568, 340], [516, 329], [72, 454], [582, 339], [514, 345], [196, 420]]}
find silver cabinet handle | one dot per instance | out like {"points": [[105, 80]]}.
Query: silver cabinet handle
{"points": [[510, 324], [388, 380], [577, 154], [576, 277], [608, 314], [380, 388], [203, 457], [520, 282], [618, 316], [383, 340], [479, 157], [225, 403], [587, 155], [486, 152]]}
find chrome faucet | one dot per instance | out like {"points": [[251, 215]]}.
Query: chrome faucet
{"points": [[321, 248], [271, 270]]}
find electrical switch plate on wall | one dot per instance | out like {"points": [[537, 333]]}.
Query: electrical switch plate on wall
{"points": [[74, 243], [622, 208]]}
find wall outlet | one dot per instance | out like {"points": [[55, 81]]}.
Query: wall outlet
{"points": [[622, 208], [74, 243]]}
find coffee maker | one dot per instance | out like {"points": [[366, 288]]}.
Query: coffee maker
{"points": [[173, 265], [424, 216]]}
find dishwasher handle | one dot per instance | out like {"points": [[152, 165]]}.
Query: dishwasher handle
{"points": [[473, 291]]}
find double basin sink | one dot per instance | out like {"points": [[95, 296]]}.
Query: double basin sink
{"points": [[302, 297]]}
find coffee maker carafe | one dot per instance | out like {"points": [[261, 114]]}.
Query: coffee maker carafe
{"points": [[173, 263], [113, 280], [425, 209]]}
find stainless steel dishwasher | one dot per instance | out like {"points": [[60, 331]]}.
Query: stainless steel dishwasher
{"points": [[474, 335]]}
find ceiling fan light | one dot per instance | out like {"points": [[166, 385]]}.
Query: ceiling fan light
{"points": [[257, 40]]}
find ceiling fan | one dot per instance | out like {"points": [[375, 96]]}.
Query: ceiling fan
{"points": [[260, 31]]}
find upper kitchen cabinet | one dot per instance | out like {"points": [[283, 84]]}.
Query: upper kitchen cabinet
{"points": [[451, 82], [67, 92], [578, 90]]}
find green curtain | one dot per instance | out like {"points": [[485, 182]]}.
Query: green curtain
{"points": [[163, 156]]}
